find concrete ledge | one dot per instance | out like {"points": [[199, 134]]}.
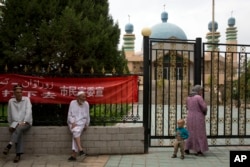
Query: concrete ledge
{"points": [[96, 140]]}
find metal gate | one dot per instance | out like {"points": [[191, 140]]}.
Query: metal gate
{"points": [[172, 67]]}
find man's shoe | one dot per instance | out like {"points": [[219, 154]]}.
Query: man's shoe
{"points": [[182, 156], [6, 151], [81, 153], [16, 159], [71, 158]]}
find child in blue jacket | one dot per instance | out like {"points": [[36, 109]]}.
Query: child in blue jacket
{"points": [[181, 135]]}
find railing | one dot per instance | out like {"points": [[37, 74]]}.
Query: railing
{"points": [[100, 114], [56, 115]]}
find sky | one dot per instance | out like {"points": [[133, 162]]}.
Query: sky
{"points": [[192, 16]]}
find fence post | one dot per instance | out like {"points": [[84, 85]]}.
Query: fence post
{"points": [[146, 33], [197, 62]]}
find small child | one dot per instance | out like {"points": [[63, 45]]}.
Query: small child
{"points": [[181, 135]]}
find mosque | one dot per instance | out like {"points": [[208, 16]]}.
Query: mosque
{"points": [[166, 30]]}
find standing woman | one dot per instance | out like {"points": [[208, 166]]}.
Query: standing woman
{"points": [[196, 123]]}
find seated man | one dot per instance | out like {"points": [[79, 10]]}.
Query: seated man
{"points": [[78, 120], [20, 120]]}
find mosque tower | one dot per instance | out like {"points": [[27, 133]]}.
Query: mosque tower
{"points": [[134, 59], [210, 38], [231, 38], [129, 39], [231, 32]]}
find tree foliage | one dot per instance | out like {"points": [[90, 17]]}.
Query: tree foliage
{"points": [[241, 86], [59, 34]]}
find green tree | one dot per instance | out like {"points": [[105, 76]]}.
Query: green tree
{"points": [[241, 86], [59, 34]]}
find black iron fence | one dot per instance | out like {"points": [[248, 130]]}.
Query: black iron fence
{"points": [[172, 67], [226, 81]]}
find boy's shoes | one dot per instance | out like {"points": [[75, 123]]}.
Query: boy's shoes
{"points": [[187, 152], [182, 156], [81, 153], [71, 158], [6, 151], [174, 156]]}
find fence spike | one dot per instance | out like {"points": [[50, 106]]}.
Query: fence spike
{"points": [[103, 70], [36, 68], [25, 68], [81, 70], [124, 71], [6, 68], [92, 70], [114, 71], [70, 70]]}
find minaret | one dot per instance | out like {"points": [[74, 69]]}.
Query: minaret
{"points": [[231, 38], [231, 32], [129, 38], [210, 36]]}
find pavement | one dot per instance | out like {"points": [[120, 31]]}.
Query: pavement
{"points": [[157, 157]]}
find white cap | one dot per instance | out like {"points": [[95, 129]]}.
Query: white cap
{"points": [[80, 92]]}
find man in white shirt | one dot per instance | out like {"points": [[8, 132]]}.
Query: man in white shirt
{"points": [[78, 120], [20, 120]]}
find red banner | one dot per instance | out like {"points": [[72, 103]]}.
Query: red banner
{"points": [[109, 90]]}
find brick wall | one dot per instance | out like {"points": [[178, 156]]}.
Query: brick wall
{"points": [[96, 140]]}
